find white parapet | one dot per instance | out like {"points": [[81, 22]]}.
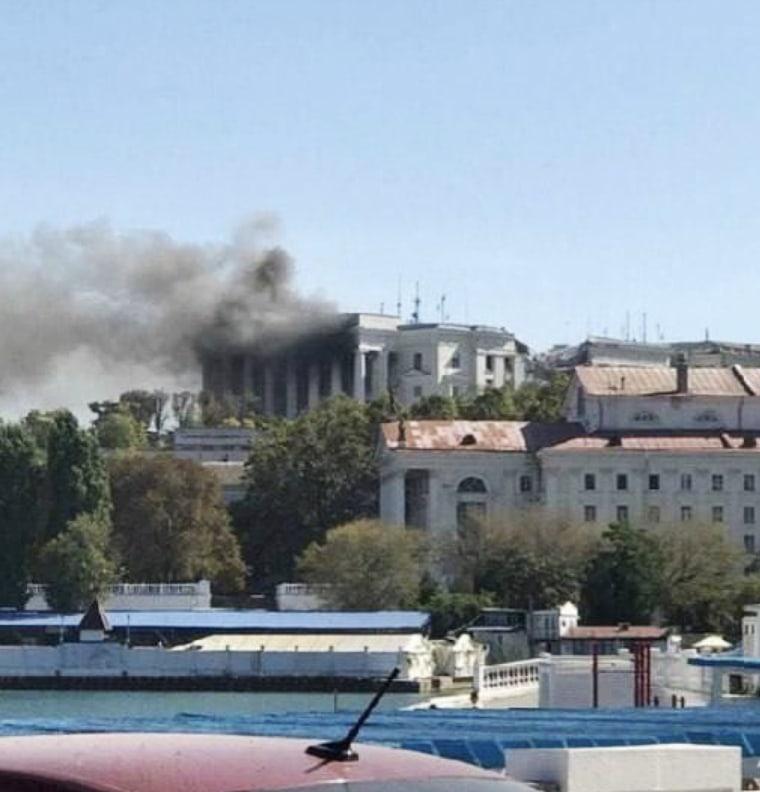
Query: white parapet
{"points": [[641, 768]]}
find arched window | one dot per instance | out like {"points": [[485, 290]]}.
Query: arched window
{"points": [[472, 484], [471, 503]]}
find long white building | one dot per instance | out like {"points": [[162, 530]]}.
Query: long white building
{"points": [[646, 445], [364, 356]]}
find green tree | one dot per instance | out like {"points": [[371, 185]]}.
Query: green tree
{"points": [[304, 477], [367, 565], [146, 407], [76, 564], [21, 479], [77, 481], [184, 408], [434, 407], [623, 578], [530, 562], [493, 404], [542, 401], [701, 569], [450, 610], [170, 524], [119, 430]]}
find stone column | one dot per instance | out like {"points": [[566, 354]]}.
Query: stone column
{"points": [[498, 371], [336, 386], [247, 379], [291, 389], [268, 399], [313, 385], [360, 372], [381, 382], [393, 499]]}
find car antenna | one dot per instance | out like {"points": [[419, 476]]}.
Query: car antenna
{"points": [[340, 750]]}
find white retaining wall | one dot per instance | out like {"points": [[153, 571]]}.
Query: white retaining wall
{"points": [[109, 659]]}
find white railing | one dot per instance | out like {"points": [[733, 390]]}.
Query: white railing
{"points": [[139, 596], [509, 678]]}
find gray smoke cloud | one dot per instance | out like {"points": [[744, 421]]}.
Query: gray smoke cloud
{"points": [[92, 308]]}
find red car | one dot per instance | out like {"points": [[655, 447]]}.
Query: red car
{"points": [[139, 762]]}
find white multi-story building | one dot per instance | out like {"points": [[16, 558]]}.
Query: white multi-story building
{"points": [[365, 356], [643, 445]]}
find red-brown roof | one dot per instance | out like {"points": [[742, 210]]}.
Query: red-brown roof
{"points": [[654, 380], [504, 436], [622, 631], [661, 441]]}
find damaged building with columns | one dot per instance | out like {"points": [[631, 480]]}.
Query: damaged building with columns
{"points": [[365, 356]]}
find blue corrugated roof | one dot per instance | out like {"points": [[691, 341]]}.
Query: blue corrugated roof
{"points": [[478, 736], [216, 620], [725, 660]]}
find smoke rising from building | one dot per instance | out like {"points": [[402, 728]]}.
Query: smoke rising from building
{"points": [[89, 309]]}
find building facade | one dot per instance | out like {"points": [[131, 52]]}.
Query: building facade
{"points": [[365, 356], [644, 445]]}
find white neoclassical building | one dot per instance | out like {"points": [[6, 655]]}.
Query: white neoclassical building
{"points": [[645, 445], [364, 356]]}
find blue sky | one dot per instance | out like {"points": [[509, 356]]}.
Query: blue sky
{"points": [[550, 167]]}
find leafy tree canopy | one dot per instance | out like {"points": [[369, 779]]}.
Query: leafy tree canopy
{"points": [[624, 578], [76, 564], [170, 525], [77, 480], [700, 572], [368, 566], [529, 562], [21, 515], [305, 476], [119, 430]]}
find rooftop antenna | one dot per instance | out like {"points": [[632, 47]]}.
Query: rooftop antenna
{"points": [[644, 327], [398, 299], [341, 750], [442, 309], [416, 312]]}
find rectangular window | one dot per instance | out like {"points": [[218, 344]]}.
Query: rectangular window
{"points": [[526, 484], [417, 391], [622, 481], [749, 515], [417, 361], [621, 514], [686, 513], [589, 481], [653, 514], [654, 481], [589, 513], [717, 514], [717, 482], [489, 362], [685, 481], [455, 362], [749, 482], [749, 543]]}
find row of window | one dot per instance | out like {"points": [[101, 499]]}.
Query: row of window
{"points": [[717, 482], [654, 514]]}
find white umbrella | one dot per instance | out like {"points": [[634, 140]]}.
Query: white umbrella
{"points": [[712, 643]]}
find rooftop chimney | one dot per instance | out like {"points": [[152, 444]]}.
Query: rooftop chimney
{"points": [[682, 374]]}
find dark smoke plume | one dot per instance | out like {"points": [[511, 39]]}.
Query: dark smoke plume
{"points": [[85, 304]]}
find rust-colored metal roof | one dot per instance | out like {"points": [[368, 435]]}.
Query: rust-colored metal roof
{"points": [[620, 631], [504, 436], [661, 441], [654, 380]]}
